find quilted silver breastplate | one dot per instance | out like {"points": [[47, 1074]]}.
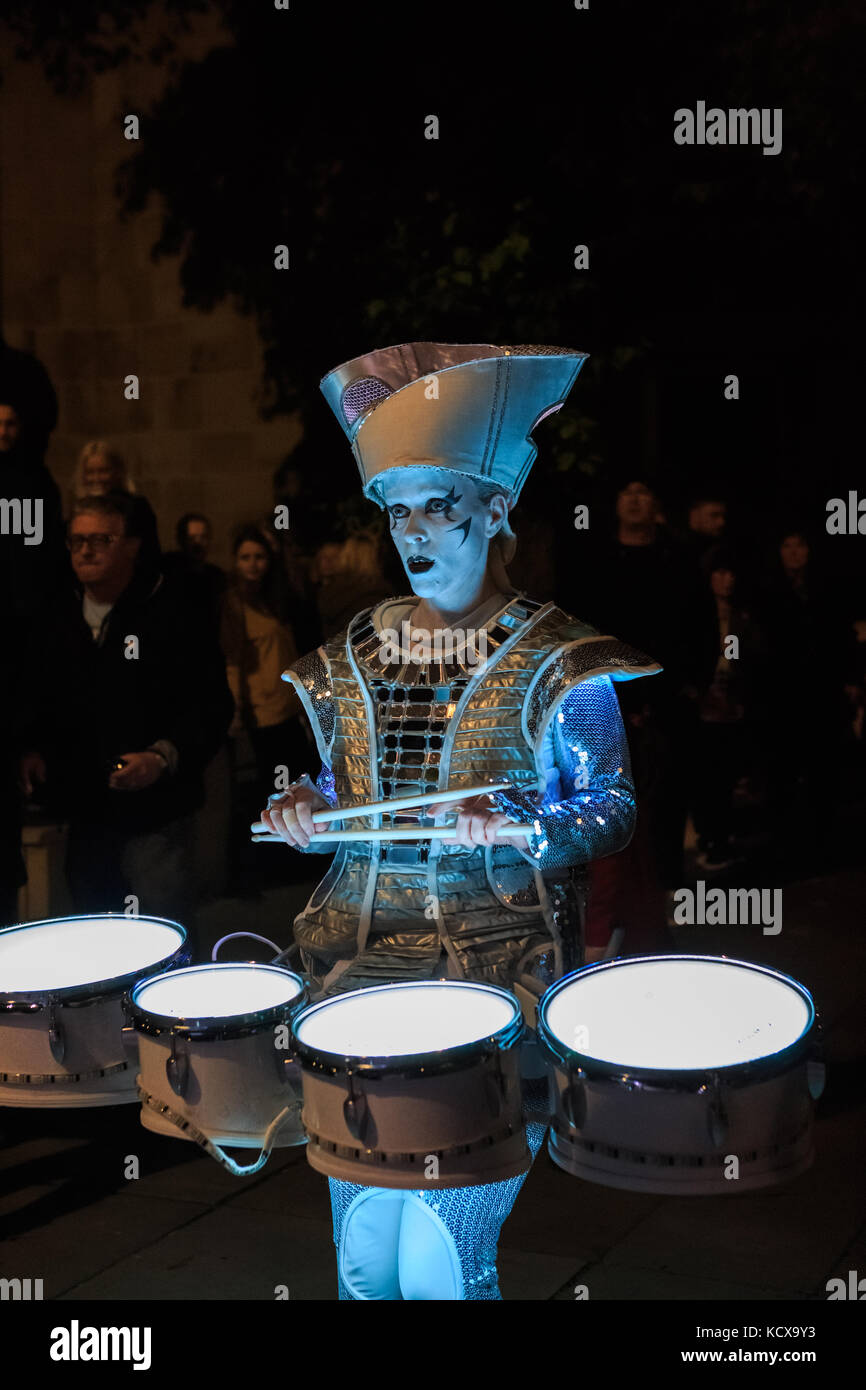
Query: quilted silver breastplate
{"points": [[412, 707]]}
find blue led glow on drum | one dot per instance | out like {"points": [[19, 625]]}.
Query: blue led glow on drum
{"points": [[399, 1021], [681, 1074], [62, 983], [212, 1066], [396, 1074], [678, 1014], [69, 952], [217, 991]]}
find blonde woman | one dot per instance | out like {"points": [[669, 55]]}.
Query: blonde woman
{"points": [[100, 469]]}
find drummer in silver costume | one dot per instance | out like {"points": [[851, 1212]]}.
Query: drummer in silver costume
{"points": [[461, 683]]}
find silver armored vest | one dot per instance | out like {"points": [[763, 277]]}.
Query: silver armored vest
{"points": [[387, 912]]}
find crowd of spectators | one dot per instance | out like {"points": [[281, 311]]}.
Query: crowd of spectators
{"points": [[754, 730], [143, 686]]}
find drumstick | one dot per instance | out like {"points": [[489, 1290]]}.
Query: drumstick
{"points": [[398, 803], [404, 833]]}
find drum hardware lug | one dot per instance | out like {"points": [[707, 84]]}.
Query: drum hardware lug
{"points": [[573, 1098], [291, 1075], [816, 1074], [22, 1006], [56, 1040], [177, 1068], [497, 1086], [718, 1123], [281, 1062], [356, 1113]]}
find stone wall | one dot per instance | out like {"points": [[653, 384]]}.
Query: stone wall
{"points": [[78, 288]]}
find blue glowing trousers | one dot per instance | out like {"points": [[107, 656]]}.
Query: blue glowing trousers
{"points": [[437, 1244]]}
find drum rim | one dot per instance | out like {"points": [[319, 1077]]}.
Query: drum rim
{"points": [[216, 1028], [21, 1000], [667, 1077], [442, 1060]]}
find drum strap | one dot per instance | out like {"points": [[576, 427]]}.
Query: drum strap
{"points": [[26, 1078], [190, 1131]]}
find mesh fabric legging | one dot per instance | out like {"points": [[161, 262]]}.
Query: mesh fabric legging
{"points": [[473, 1217]]}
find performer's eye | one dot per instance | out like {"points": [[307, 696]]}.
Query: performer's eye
{"points": [[441, 506], [398, 511]]}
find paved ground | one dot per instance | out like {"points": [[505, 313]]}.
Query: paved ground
{"points": [[186, 1229]]}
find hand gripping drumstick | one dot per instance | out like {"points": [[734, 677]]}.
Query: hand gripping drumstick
{"points": [[261, 833], [398, 803]]}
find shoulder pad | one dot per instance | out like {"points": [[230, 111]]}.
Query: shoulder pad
{"points": [[579, 660], [311, 677]]}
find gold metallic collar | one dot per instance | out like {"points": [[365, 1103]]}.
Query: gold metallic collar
{"points": [[372, 653]]}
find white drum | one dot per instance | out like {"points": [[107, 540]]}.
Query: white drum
{"points": [[681, 1074], [61, 1019], [414, 1085], [215, 1056]]}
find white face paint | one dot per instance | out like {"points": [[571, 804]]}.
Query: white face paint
{"points": [[442, 531]]}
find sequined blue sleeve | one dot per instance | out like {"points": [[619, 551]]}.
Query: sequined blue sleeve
{"points": [[588, 808], [325, 784]]}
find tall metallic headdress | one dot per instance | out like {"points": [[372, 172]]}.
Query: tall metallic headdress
{"points": [[469, 407]]}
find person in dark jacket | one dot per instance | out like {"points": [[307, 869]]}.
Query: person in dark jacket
{"points": [[33, 563], [127, 701], [730, 712], [188, 569], [803, 614], [635, 579], [24, 380]]}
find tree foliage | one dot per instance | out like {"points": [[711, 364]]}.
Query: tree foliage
{"points": [[306, 127]]}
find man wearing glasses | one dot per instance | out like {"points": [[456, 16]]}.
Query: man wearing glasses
{"points": [[128, 700]]}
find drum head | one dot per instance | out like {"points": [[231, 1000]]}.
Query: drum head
{"points": [[70, 953], [675, 1013], [215, 996], [404, 1021]]}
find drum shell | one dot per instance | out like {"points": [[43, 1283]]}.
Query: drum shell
{"points": [[635, 1135], [675, 1130], [92, 1037], [416, 1114], [235, 1087], [87, 1019]]}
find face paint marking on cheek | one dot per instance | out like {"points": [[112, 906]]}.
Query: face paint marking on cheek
{"points": [[464, 527]]}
